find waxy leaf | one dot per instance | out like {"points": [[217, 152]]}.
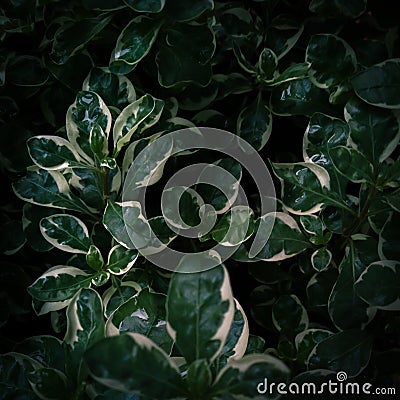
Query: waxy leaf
{"points": [[48, 188], [120, 260], [321, 259], [305, 341], [49, 383], [338, 8], [242, 378], [254, 123], [378, 85], [199, 378], [379, 285], [59, 283], [144, 314], [332, 60], [389, 237], [149, 6], [267, 64], [185, 11], [113, 297], [155, 375], [298, 97], [286, 238], [85, 327], [135, 41], [200, 310], [347, 351], [66, 232], [26, 71], [88, 111], [52, 152], [374, 132]]}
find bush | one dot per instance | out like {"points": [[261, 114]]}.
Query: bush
{"points": [[95, 89]]}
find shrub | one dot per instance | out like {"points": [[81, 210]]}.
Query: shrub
{"points": [[93, 88]]}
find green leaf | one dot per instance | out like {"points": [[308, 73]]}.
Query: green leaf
{"points": [[332, 60], [294, 71], [267, 273], [191, 47], [66, 233], [98, 142], [144, 314], [26, 71], [85, 327], [72, 36], [130, 119], [374, 132], [289, 315], [237, 339], [49, 383], [149, 6], [312, 224], [384, 90], [283, 33], [267, 64], [156, 376], [115, 90], [338, 8], [52, 152], [305, 341], [305, 187], [135, 41], [113, 297], [235, 226], [347, 351], [298, 97], [186, 12], [104, 5], [13, 237], [94, 258], [321, 258], [59, 283], [87, 111], [200, 310], [285, 240], [345, 308], [48, 188], [389, 238], [255, 344], [379, 285], [254, 123], [320, 286], [242, 378], [120, 260], [199, 378]]}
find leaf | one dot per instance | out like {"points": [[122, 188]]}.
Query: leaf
{"points": [[200, 310], [135, 41], [270, 273], [48, 188], [389, 238], [13, 237], [85, 327], [254, 123], [306, 340], [66, 233], [320, 286], [52, 152], [345, 308], [98, 142], [49, 383], [384, 90], [332, 60], [144, 314], [113, 297], [156, 376], [26, 71], [321, 258], [379, 285], [298, 97], [245, 378], [373, 132], [237, 339], [347, 351], [338, 8], [94, 259], [185, 12], [199, 378], [294, 71], [283, 33], [72, 36], [120, 260], [150, 6], [289, 315], [267, 64], [191, 47], [285, 239], [305, 187], [128, 122], [235, 226], [59, 283]]}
